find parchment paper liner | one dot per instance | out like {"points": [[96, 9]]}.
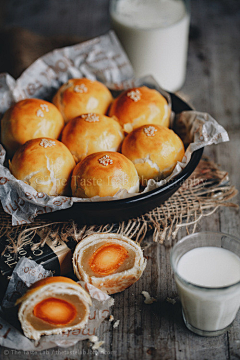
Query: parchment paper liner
{"points": [[26, 273], [102, 59]]}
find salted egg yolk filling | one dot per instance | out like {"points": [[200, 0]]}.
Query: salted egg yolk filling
{"points": [[55, 311], [107, 259]]}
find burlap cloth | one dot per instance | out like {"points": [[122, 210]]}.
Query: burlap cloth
{"points": [[201, 195]]}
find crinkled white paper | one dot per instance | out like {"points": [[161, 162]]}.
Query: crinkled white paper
{"points": [[26, 273], [102, 59]]}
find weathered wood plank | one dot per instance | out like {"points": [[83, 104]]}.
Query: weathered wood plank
{"points": [[157, 331]]}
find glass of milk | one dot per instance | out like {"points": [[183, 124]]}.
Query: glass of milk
{"points": [[154, 34], [206, 268]]}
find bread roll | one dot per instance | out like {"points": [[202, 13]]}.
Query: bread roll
{"points": [[110, 262], [45, 164], [140, 106], [90, 133], [30, 119], [103, 174], [53, 306], [81, 96], [154, 150]]}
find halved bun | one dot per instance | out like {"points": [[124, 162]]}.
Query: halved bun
{"points": [[110, 262], [53, 306]]}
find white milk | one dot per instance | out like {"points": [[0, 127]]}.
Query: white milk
{"points": [[211, 307], [155, 36]]}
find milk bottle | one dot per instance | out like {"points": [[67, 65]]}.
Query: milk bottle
{"points": [[154, 34]]}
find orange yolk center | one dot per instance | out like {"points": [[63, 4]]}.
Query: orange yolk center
{"points": [[107, 258], [55, 311]]}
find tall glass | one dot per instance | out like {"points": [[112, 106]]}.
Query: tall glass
{"points": [[154, 34], [208, 310]]}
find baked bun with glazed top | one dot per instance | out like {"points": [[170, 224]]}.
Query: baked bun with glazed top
{"points": [[154, 150], [90, 133], [103, 174], [110, 262], [53, 306], [81, 96], [140, 106], [45, 164], [29, 119]]}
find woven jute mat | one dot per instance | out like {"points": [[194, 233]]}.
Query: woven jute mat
{"points": [[200, 196]]}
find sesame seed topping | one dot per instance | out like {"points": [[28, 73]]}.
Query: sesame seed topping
{"points": [[105, 160], [135, 95], [90, 117], [150, 130], [80, 88], [40, 113], [47, 143], [44, 107]]}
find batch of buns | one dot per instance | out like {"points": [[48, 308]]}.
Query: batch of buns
{"points": [[85, 143]]}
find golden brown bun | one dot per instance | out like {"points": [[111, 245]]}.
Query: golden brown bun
{"points": [[90, 133], [81, 96], [45, 164], [140, 106], [103, 174], [154, 150], [30, 119]]}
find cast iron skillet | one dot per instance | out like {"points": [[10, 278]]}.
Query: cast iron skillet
{"points": [[105, 212]]}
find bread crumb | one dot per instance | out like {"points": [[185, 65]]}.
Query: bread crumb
{"points": [[115, 325], [97, 344], [111, 318], [111, 302], [148, 299], [171, 301], [93, 338]]}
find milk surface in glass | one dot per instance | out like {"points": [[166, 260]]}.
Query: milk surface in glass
{"points": [[154, 34], [213, 299]]}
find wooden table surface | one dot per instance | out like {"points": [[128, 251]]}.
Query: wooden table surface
{"points": [[157, 331]]}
